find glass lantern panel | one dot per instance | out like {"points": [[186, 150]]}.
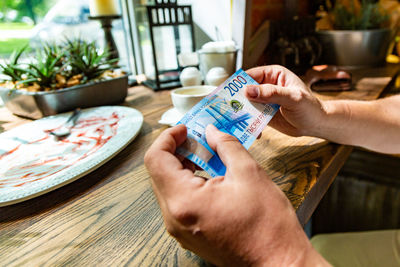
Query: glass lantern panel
{"points": [[165, 46], [144, 41], [186, 40]]}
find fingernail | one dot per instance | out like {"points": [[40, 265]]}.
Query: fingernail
{"points": [[252, 91]]}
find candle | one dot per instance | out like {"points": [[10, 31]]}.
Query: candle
{"points": [[103, 7]]}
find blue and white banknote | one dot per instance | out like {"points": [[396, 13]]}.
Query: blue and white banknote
{"points": [[231, 112]]}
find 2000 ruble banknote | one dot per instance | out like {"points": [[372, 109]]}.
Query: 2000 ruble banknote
{"points": [[231, 112]]}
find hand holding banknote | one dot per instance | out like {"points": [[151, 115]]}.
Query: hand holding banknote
{"points": [[239, 219], [301, 113], [228, 109]]}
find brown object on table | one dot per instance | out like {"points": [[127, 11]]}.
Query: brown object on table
{"points": [[328, 78], [111, 216]]}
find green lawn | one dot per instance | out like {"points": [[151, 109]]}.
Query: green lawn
{"points": [[9, 45], [15, 26]]}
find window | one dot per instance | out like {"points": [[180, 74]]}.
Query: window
{"points": [[32, 23]]}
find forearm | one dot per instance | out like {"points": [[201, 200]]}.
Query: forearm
{"points": [[288, 244], [295, 256], [374, 125]]}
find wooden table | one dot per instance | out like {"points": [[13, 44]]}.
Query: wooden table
{"points": [[111, 217]]}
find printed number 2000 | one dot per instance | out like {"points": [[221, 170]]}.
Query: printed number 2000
{"points": [[234, 86]]}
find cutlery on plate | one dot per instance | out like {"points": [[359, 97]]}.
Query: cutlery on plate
{"points": [[65, 129]]}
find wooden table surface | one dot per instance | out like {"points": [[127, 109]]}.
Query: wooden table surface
{"points": [[111, 217]]}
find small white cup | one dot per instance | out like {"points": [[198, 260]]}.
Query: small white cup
{"points": [[185, 98]]}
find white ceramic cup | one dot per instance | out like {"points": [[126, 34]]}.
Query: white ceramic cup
{"points": [[185, 98]]}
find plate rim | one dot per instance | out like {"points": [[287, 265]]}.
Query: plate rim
{"points": [[101, 159]]}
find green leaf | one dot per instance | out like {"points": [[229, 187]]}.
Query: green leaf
{"points": [[28, 81], [11, 69], [369, 17]]}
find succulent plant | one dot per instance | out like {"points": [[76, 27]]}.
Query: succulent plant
{"points": [[55, 51], [58, 66], [367, 16], [44, 70], [86, 59], [12, 68]]}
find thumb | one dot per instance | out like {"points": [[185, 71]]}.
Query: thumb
{"points": [[228, 148], [270, 93]]}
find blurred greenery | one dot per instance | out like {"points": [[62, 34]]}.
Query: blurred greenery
{"points": [[15, 26], [25, 8], [370, 16], [9, 45]]}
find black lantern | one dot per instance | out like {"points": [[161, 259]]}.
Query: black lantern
{"points": [[171, 33]]}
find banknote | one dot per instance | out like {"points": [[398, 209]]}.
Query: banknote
{"points": [[231, 112]]}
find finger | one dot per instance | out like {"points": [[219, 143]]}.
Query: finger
{"points": [[228, 148], [279, 123], [187, 164], [166, 170], [180, 157], [171, 138], [161, 152], [276, 75], [273, 74], [269, 93], [264, 74], [198, 168]]}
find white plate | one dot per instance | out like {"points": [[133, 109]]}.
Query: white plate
{"points": [[33, 162], [171, 117]]}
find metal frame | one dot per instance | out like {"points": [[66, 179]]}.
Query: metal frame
{"points": [[177, 15]]}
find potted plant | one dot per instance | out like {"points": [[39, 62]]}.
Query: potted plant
{"points": [[355, 34], [61, 78]]}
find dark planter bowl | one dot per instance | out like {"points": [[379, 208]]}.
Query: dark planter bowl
{"points": [[35, 105], [363, 48]]}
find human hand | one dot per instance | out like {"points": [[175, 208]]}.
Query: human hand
{"points": [[301, 113], [242, 218]]}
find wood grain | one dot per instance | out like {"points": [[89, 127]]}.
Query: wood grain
{"points": [[111, 217]]}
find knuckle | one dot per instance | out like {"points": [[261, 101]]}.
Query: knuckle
{"points": [[296, 96], [267, 90], [278, 67], [184, 246], [147, 157], [226, 138], [150, 161], [254, 69], [172, 230], [281, 69], [182, 213], [278, 90]]}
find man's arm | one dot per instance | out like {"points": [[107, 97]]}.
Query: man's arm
{"points": [[241, 219], [371, 124]]}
